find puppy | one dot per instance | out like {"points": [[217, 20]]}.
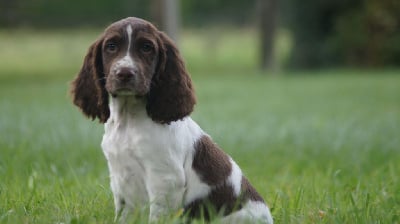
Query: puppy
{"points": [[134, 80]]}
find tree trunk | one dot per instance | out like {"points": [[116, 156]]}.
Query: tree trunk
{"points": [[166, 14], [268, 14], [9, 13]]}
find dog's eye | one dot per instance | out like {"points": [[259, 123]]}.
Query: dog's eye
{"points": [[146, 48], [111, 47]]}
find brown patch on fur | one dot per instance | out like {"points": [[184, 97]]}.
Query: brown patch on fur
{"points": [[214, 167], [171, 95], [210, 162], [88, 90], [221, 201]]}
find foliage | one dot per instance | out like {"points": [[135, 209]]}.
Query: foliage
{"points": [[370, 35], [208, 12], [355, 33], [69, 13], [326, 33], [72, 13]]}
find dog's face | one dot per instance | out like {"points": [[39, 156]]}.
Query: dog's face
{"points": [[130, 54], [133, 58]]}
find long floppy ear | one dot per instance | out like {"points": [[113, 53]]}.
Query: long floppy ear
{"points": [[171, 95], [88, 88]]}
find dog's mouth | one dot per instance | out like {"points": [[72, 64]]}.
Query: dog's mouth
{"points": [[127, 92], [118, 87], [124, 92], [127, 87]]}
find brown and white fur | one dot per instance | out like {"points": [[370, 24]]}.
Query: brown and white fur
{"points": [[134, 80]]}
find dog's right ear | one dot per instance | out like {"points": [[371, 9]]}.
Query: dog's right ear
{"points": [[88, 88]]}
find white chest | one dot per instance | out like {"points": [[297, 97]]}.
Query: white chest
{"points": [[144, 157], [124, 163]]}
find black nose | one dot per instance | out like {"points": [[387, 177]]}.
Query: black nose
{"points": [[126, 74]]}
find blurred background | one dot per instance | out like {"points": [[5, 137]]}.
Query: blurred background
{"points": [[304, 94], [226, 34]]}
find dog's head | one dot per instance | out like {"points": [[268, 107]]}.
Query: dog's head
{"points": [[133, 58]]}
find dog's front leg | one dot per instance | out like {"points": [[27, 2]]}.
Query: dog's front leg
{"points": [[165, 194], [121, 213], [122, 210]]}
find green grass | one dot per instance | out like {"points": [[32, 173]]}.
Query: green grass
{"points": [[322, 147]]}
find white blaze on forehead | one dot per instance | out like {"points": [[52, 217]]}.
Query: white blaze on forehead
{"points": [[129, 32], [127, 60]]}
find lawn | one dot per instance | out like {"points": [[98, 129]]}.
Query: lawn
{"points": [[321, 146]]}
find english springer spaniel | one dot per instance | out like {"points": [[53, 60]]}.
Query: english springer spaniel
{"points": [[134, 80]]}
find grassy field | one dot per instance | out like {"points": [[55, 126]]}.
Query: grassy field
{"points": [[321, 147]]}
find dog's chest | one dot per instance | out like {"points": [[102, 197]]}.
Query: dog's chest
{"points": [[124, 162], [135, 151]]}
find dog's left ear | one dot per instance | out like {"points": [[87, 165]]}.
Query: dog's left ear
{"points": [[171, 95]]}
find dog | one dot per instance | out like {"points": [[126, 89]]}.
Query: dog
{"points": [[134, 80]]}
